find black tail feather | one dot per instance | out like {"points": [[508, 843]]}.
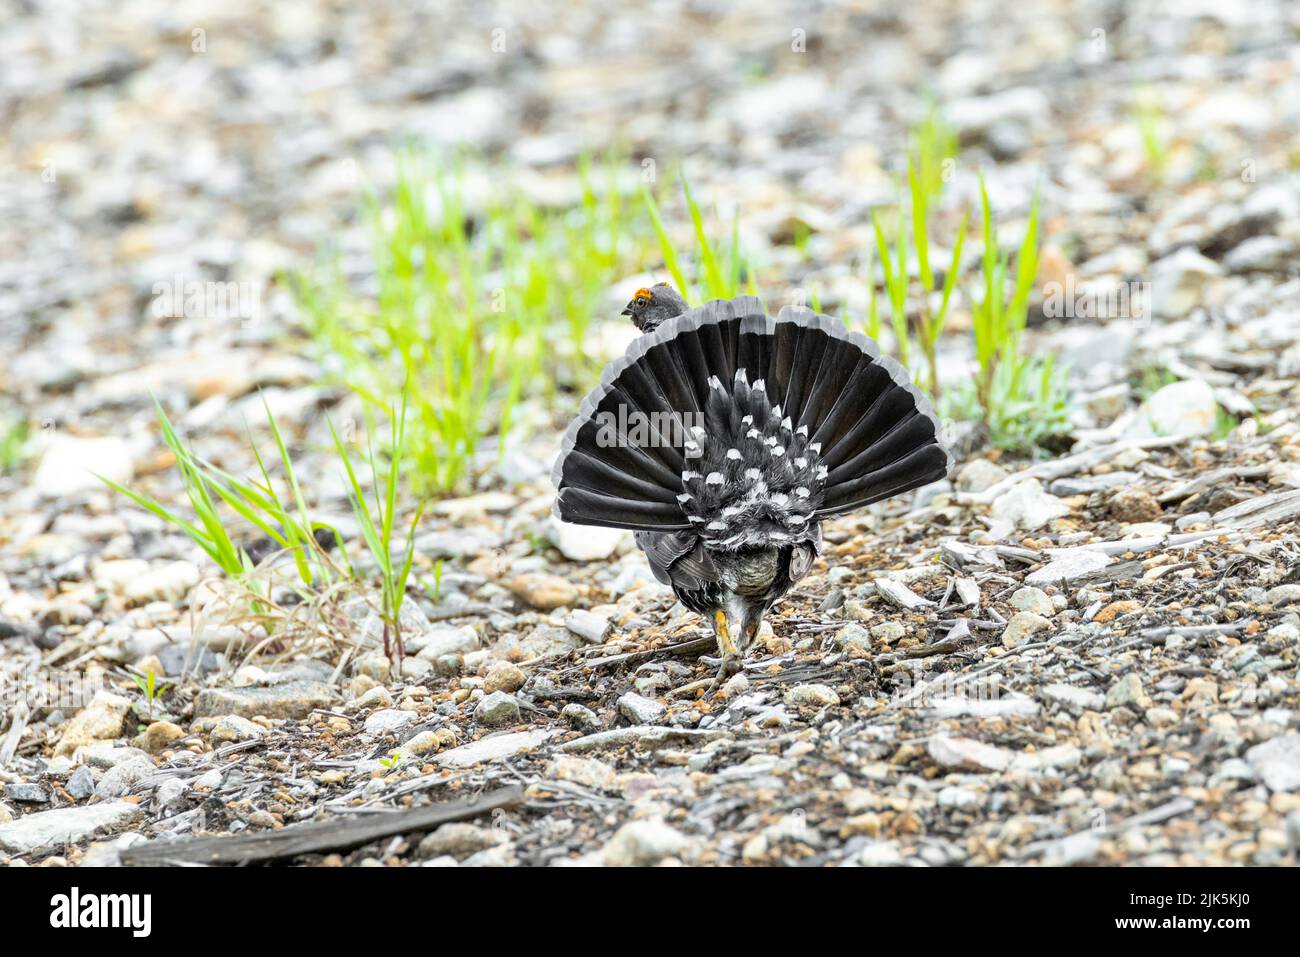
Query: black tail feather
{"points": [[876, 433]]}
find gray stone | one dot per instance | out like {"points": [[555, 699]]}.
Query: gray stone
{"points": [[498, 708], [291, 699], [1177, 281], [1128, 693], [27, 793], [442, 640], [592, 629], [853, 634], [170, 792], [81, 784], [492, 748], [887, 631], [811, 696], [1195, 518], [1261, 254], [169, 582], [1087, 484], [121, 779], [1073, 698], [581, 718], [1025, 505], [459, 839], [1069, 565], [586, 543], [1277, 762], [233, 728], [387, 721], [46, 830], [1180, 408], [640, 710], [644, 844], [1021, 627], [978, 475], [1283, 595], [1033, 600], [967, 754]]}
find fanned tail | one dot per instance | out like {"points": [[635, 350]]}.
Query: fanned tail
{"points": [[631, 458]]}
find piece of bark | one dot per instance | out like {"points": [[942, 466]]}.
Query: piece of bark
{"points": [[334, 835]]}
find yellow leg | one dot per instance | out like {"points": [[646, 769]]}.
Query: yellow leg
{"points": [[725, 644], [731, 656]]}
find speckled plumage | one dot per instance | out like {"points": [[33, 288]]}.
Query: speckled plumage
{"points": [[787, 421]]}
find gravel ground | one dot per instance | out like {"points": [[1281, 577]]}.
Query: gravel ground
{"points": [[1091, 659]]}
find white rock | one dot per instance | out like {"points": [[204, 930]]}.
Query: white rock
{"points": [[1073, 698], [1177, 281], [1128, 691], [70, 463], [498, 708], [967, 754], [736, 686], [1025, 505], [897, 593], [234, 727], [45, 829], [170, 792], [115, 575], [880, 854], [1180, 408], [1261, 254], [121, 779], [1068, 565], [978, 475], [492, 748], [1075, 849], [170, 582], [1034, 600], [1022, 625], [811, 696], [586, 543], [958, 706], [209, 779], [387, 721], [591, 628], [443, 640], [1277, 762], [640, 710], [585, 771], [955, 796], [645, 843]]}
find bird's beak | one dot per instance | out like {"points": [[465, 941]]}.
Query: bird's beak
{"points": [[627, 310]]}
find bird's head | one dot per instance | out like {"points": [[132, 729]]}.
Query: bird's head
{"points": [[650, 307]]}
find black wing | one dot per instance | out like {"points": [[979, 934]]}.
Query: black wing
{"points": [[680, 560]]}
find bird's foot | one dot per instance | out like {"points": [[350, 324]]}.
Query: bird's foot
{"points": [[731, 664]]}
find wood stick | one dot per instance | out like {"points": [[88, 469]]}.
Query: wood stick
{"points": [[316, 836]]}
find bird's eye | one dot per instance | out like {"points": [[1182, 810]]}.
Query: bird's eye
{"points": [[640, 300]]}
